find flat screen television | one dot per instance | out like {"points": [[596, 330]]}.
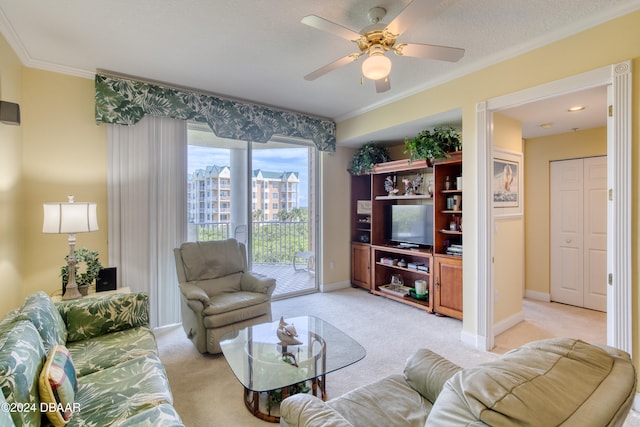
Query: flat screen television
{"points": [[411, 225]]}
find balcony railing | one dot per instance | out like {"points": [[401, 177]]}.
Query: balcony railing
{"points": [[274, 242]]}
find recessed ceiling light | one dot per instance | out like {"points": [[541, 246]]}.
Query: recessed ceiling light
{"points": [[577, 108], [546, 125]]}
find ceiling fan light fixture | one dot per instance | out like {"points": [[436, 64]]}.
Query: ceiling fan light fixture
{"points": [[376, 67]]}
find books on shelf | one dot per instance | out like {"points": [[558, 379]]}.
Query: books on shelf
{"points": [[454, 250], [397, 290]]}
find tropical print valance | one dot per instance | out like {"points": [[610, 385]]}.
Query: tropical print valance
{"points": [[123, 101]]}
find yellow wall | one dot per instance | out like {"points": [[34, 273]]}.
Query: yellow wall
{"points": [[606, 44], [11, 223], [335, 218], [508, 234], [396, 151], [507, 133], [538, 152], [64, 153]]}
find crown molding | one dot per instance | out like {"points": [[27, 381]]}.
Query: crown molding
{"points": [[21, 51]]}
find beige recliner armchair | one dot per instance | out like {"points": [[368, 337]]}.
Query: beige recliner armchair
{"points": [[218, 294]]}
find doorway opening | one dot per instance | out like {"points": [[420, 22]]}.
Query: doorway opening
{"points": [[618, 76]]}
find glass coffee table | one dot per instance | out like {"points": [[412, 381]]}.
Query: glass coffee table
{"points": [[271, 371]]}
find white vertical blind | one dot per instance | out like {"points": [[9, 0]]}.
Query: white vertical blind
{"points": [[147, 209]]}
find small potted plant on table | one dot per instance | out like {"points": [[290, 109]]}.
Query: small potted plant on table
{"points": [[87, 276]]}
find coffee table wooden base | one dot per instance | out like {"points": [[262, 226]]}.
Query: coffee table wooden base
{"points": [[252, 398]]}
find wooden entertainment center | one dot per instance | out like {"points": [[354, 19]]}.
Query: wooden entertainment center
{"points": [[374, 258]]}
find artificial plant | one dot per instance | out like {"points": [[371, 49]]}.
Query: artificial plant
{"points": [[433, 144], [92, 267], [367, 156]]}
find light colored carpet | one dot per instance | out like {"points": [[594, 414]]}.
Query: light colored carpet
{"points": [[206, 393]]}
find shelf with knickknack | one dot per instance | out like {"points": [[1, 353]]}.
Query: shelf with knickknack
{"points": [[363, 228], [448, 248], [361, 224], [408, 265], [448, 204], [405, 197], [398, 182]]}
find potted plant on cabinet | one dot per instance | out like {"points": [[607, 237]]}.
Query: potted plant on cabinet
{"points": [[433, 145], [367, 156], [90, 271]]}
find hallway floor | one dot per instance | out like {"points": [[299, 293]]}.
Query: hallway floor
{"points": [[548, 320]]}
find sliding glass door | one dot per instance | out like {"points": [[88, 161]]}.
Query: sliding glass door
{"points": [[283, 208], [260, 194]]}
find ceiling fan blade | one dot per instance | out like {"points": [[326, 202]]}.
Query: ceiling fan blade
{"points": [[332, 66], [383, 85], [330, 27], [430, 51], [414, 12]]}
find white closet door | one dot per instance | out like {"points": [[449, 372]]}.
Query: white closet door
{"points": [[566, 232], [595, 233], [578, 215]]}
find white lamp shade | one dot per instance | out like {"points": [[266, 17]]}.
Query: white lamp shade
{"points": [[376, 67], [60, 218]]}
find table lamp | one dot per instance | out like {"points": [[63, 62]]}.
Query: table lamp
{"points": [[70, 217]]}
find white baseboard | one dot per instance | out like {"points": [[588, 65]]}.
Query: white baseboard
{"points": [[330, 287], [538, 296], [636, 402], [478, 342], [507, 323], [157, 328]]}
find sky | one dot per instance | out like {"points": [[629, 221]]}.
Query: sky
{"points": [[275, 159]]}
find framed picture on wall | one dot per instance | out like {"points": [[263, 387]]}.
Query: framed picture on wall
{"points": [[507, 184]]}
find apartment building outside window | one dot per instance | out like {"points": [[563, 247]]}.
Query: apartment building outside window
{"points": [[264, 194]]}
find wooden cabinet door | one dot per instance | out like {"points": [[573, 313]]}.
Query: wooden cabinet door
{"points": [[361, 265], [448, 286]]}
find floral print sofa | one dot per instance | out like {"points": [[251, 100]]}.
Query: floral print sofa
{"points": [[96, 356]]}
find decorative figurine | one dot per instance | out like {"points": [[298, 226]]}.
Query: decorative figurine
{"points": [[408, 186], [411, 186], [417, 182], [389, 186], [287, 333]]}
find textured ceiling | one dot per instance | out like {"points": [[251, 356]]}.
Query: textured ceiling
{"points": [[259, 50]]}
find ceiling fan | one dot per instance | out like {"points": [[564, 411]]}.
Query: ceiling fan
{"points": [[375, 40]]}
